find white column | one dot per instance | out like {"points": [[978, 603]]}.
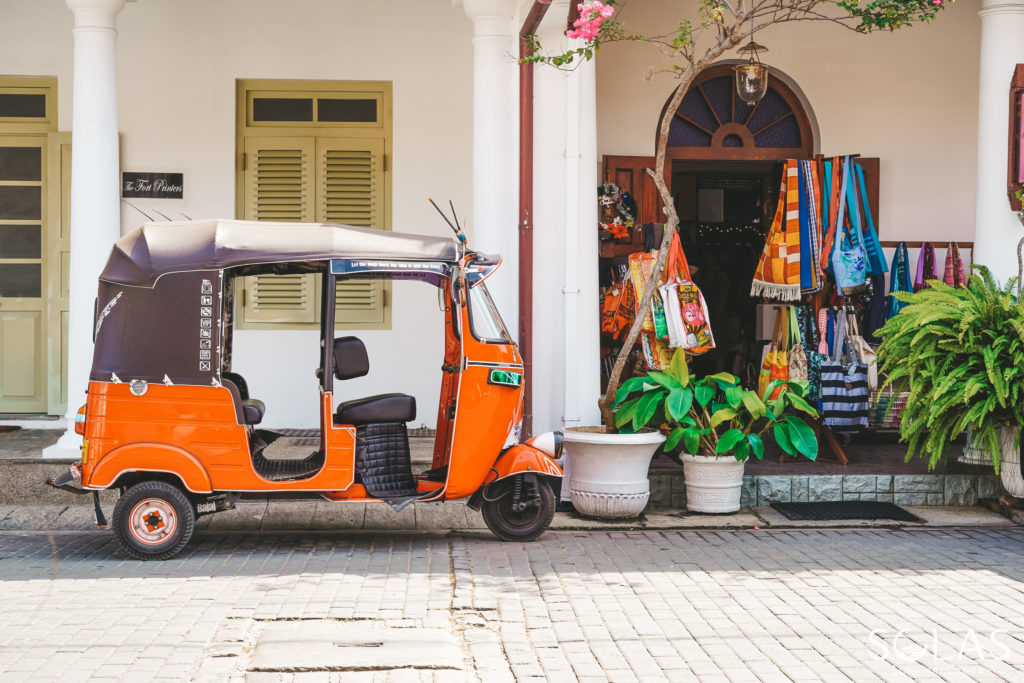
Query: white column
{"points": [[495, 139], [588, 316], [95, 208], [996, 228], [549, 230], [582, 324]]}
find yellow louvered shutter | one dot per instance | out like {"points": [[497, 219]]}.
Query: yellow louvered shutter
{"points": [[279, 186], [350, 191]]}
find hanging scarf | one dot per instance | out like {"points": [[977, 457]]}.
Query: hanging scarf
{"points": [[899, 279], [833, 183], [925, 267], [811, 277], [872, 247], [778, 271], [954, 270]]}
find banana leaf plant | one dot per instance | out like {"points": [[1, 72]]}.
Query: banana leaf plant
{"points": [[715, 415]]}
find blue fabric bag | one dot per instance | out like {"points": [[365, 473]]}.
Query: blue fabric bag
{"points": [[849, 259]]}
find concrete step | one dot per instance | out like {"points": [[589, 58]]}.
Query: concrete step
{"points": [[320, 516]]}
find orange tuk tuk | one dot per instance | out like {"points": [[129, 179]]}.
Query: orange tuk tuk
{"points": [[173, 427]]}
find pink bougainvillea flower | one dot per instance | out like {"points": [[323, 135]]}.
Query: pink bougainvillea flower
{"points": [[589, 23]]}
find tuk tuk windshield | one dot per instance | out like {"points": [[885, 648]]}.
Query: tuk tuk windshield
{"points": [[484, 317]]}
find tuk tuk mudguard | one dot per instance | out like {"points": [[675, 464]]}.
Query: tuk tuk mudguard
{"points": [[524, 458], [157, 457]]}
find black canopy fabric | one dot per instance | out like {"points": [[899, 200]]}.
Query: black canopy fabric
{"points": [[139, 258]]}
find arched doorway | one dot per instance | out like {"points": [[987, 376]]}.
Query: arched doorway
{"points": [[724, 170], [712, 122]]}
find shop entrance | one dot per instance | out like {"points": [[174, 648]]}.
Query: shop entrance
{"points": [[725, 210]]}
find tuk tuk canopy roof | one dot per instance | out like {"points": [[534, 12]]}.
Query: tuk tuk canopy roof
{"points": [[155, 249]]}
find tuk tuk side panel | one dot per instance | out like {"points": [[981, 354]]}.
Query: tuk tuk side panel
{"points": [[486, 413], [198, 421]]}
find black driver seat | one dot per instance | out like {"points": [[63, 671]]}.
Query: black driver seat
{"points": [[350, 361]]}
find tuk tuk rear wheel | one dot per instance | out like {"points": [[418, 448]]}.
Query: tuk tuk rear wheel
{"points": [[510, 524], [153, 520]]}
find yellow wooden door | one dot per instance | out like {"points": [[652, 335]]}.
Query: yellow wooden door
{"points": [[23, 323]]}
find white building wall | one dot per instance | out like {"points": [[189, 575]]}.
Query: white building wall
{"points": [[177, 65], [907, 97]]}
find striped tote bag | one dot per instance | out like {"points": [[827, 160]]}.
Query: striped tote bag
{"points": [[844, 386]]}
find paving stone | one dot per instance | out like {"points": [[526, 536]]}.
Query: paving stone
{"points": [[918, 483], [910, 498], [774, 490], [859, 483], [800, 490], [824, 488], [748, 494], [989, 486], [959, 490]]}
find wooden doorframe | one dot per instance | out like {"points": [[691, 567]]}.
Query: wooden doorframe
{"points": [[57, 230]]}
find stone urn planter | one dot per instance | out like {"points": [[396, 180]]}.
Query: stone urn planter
{"points": [[608, 472], [1009, 462], [713, 484]]}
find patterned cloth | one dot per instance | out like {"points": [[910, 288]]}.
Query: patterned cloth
{"points": [[811, 277], [778, 271], [899, 279]]}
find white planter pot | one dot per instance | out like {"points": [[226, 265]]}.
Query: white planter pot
{"points": [[1009, 462], [712, 484], [608, 472], [973, 455]]}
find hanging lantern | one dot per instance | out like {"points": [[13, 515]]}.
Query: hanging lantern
{"points": [[751, 78]]}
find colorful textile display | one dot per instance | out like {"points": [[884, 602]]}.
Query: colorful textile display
{"points": [[778, 270], [925, 267], [872, 247], [640, 267], [689, 323], [812, 279], [954, 271], [899, 279], [844, 386], [849, 258]]}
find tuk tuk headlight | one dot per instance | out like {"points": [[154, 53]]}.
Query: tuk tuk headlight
{"points": [[548, 442]]}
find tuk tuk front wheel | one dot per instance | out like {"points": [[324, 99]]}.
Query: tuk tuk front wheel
{"points": [[153, 520], [517, 508]]}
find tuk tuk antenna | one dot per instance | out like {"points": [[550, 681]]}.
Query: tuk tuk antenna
{"points": [[457, 231], [454, 216]]}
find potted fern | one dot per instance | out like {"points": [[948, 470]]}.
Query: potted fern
{"points": [[959, 352], [719, 423]]}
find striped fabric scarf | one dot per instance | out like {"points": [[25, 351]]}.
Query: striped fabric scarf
{"points": [[778, 271], [811, 277]]}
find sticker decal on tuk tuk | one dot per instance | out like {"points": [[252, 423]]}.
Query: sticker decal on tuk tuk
{"points": [[104, 313], [505, 378]]}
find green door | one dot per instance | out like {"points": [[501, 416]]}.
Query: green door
{"points": [[23, 311]]}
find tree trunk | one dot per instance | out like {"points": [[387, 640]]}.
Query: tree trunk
{"points": [[724, 43]]}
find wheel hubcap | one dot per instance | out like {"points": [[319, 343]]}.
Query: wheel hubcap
{"points": [[152, 521]]}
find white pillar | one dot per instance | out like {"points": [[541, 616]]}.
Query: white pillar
{"points": [[582, 324], [495, 139], [95, 207], [549, 231], [588, 316], [996, 228]]}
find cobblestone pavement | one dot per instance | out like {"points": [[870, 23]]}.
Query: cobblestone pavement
{"points": [[808, 604]]}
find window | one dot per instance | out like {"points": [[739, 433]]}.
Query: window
{"points": [[484, 317], [28, 104], [712, 122], [316, 152]]}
